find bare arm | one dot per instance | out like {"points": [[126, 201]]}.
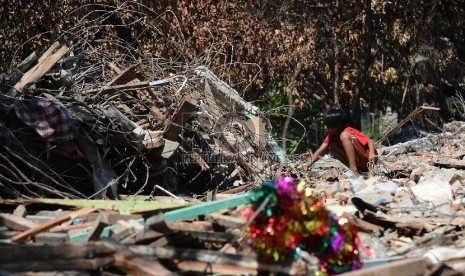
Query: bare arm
{"points": [[316, 155]]}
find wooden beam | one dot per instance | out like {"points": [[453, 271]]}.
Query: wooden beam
{"points": [[226, 221], [57, 264], [213, 257], [46, 62], [65, 256], [208, 207], [99, 224], [16, 223], [214, 268], [49, 224], [20, 210], [179, 119], [51, 238], [201, 226], [125, 76], [408, 267], [414, 113], [121, 87], [135, 264], [51, 252]]}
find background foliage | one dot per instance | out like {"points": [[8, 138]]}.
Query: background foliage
{"points": [[363, 55]]}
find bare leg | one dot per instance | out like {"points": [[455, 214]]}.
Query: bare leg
{"points": [[350, 149], [361, 158]]}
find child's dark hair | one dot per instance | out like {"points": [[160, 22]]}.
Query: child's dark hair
{"points": [[336, 117]]}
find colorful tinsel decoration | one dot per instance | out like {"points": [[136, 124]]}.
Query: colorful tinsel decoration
{"points": [[292, 221]]}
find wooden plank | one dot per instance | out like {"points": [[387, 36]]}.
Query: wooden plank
{"points": [[217, 237], [183, 213], [125, 76], [16, 223], [256, 126], [214, 268], [18, 253], [226, 221], [115, 68], [57, 264], [125, 207], [452, 164], [5, 235], [47, 225], [208, 207], [414, 113], [191, 226], [169, 253], [143, 237], [123, 79], [61, 228], [239, 189], [212, 257], [408, 267], [138, 77], [83, 236], [20, 210], [51, 238], [121, 87], [135, 264], [46, 62], [157, 114], [365, 226], [180, 117], [223, 90], [49, 51], [99, 224]]}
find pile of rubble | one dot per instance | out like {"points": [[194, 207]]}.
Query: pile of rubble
{"points": [[409, 213], [70, 119], [410, 207], [117, 167]]}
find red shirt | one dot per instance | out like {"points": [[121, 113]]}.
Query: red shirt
{"points": [[360, 136]]}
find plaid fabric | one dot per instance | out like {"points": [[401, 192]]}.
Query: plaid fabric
{"points": [[50, 120]]}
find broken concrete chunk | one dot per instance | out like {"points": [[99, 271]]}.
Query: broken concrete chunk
{"points": [[437, 192]]}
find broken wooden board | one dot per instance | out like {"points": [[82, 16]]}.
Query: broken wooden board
{"points": [[414, 113], [16, 223], [450, 164], [226, 221], [182, 213], [46, 62], [122, 206], [49, 224], [256, 126], [209, 207], [55, 257], [407, 267], [124, 76], [180, 118], [135, 264], [209, 257]]}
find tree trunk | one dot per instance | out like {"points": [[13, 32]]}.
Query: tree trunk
{"points": [[367, 61], [337, 71]]}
